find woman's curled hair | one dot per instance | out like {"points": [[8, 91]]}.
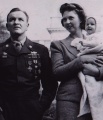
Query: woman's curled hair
{"points": [[78, 9]]}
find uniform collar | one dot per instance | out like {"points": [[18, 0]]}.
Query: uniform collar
{"points": [[9, 47], [27, 47], [22, 41]]}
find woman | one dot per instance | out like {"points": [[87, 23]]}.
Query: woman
{"points": [[66, 65]]}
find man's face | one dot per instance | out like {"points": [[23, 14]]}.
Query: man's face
{"points": [[17, 23]]}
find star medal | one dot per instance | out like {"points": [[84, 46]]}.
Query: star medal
{"points": [[30, 68]]}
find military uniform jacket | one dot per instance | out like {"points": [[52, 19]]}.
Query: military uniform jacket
{"points": [[20, 73]]}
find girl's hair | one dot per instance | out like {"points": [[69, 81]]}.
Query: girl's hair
{"points": [[78, 9]]}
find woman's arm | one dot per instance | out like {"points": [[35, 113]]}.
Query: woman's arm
{"points": [[100, 59], [92, 70], [64, 70], [61, 69], [94, 50], [95, 71]]}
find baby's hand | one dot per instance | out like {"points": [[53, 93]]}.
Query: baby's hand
{"points": [[90, 44], [91, 70], [83, 52]]}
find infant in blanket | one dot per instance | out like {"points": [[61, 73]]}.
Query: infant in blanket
{"points": [[93, 42]]}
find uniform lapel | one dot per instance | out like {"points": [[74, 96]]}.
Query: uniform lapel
{"points": [[9, 48], [27, 47]]}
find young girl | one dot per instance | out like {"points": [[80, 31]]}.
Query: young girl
{"points": [[92, 88]]}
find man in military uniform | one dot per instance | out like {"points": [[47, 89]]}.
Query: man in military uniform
{"points": [[23, 64]]}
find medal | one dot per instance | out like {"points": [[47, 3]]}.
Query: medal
{"points": [[35, 61], [34, 54], [30, 68], [4, 55], [39, 71], [29, 63], [36, 66]]}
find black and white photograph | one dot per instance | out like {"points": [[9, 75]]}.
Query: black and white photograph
{"points": [[51, 60]]}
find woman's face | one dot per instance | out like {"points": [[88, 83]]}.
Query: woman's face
{"points": [[71, 21], [90, 26]]}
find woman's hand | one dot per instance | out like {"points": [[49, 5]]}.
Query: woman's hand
{"points": [[91, 70], [88, 59], [100, 57], [93, 59]]}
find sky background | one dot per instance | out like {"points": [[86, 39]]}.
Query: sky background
{"points": [[45, 13]]}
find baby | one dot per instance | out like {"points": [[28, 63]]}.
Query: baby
{"points": [[91, 25], [93, 42]]}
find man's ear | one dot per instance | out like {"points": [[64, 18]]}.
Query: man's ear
{"points": [[28, 25]]}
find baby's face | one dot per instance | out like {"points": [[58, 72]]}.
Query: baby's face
{"points": [[90, 26]]}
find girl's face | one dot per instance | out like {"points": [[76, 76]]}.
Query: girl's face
{"points": [[71, 21], [90, 26]]}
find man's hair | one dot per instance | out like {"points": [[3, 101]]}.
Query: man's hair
{"points": [[78, 9], [18, 9]]}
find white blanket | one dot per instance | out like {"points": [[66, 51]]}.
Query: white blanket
{"points": [[92, 98]]}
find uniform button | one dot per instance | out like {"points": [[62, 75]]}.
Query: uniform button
{"points": [[30, 46], [36, 66], [4, 53], [7, 45]]}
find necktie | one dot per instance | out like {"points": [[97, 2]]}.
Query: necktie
{"points": [[17, 46]]}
